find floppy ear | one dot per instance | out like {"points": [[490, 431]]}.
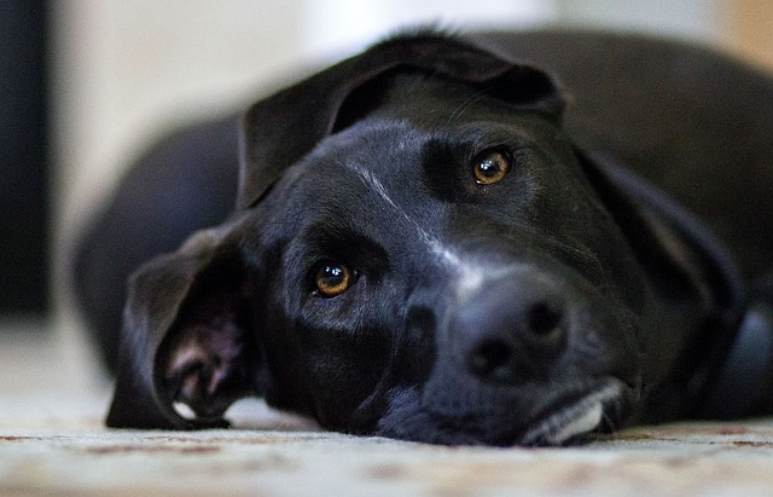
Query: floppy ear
{"points": [[186, 337], [278, 131], [680, 255]]}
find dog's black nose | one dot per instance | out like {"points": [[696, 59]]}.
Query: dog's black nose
{"points": [[512, 330]]}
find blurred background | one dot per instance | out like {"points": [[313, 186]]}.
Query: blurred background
{"points": [[86, 84]]}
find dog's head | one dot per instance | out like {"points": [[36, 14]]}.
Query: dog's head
{"points": [[419, 251]]}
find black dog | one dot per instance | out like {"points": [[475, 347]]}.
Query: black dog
{"points": [[424, 247]]}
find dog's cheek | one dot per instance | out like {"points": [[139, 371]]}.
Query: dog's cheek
{"points": [[343, 369], [569, 209], [606, 341]]}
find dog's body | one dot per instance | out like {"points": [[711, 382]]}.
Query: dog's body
{"points": [[563, 295]]}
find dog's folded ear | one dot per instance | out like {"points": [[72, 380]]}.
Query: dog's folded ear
{"points": [[278, 131], [679, 254], [186, 338]]}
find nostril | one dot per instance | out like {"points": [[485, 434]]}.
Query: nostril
{"points": [[543, 318], [490, 357]]}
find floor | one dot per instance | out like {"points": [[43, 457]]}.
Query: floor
{"points": [[52, 444]]}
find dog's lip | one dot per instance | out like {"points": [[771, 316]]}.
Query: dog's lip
{"points": [[572, 415], [591, 405]]}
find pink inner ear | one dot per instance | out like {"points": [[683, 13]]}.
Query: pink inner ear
{"points": [[205, 365]]}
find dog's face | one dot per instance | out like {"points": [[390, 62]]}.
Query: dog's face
{"points": [[438, 264]]}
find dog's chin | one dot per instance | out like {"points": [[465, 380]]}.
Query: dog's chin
{"points": [[568, 418]]}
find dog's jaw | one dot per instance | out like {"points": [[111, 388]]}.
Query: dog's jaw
{"points": [[579, 418]]}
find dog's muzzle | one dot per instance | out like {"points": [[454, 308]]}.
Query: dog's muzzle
{"points": [[512, 329]]}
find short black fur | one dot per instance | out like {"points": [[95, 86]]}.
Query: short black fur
{"points": [[566, 298]]}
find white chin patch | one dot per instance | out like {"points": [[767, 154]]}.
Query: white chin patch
{"points": [[584, 423]]}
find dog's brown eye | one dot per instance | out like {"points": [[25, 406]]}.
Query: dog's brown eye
{"points": [[491, 167], [333, 279]]}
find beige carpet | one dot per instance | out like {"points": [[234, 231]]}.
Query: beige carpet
{"points": [[52, 444]]}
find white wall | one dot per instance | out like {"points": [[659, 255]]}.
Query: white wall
{"points": [[693, 19], [338, 26], [124, 70]]}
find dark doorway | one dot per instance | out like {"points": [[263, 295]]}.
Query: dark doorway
{"points": [[23, 155]]}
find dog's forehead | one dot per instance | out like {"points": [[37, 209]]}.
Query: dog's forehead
{"points": [[379, 166], [394, 149], [370, 158], [387, 145]]}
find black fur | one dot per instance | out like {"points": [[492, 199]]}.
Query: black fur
{"points": [[574, 295]]}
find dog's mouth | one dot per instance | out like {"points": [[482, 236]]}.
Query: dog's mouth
{"points": [[573, 416], [565, 417], [570, 416]]}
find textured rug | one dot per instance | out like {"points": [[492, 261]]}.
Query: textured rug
{"points": [[52, 444]]}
